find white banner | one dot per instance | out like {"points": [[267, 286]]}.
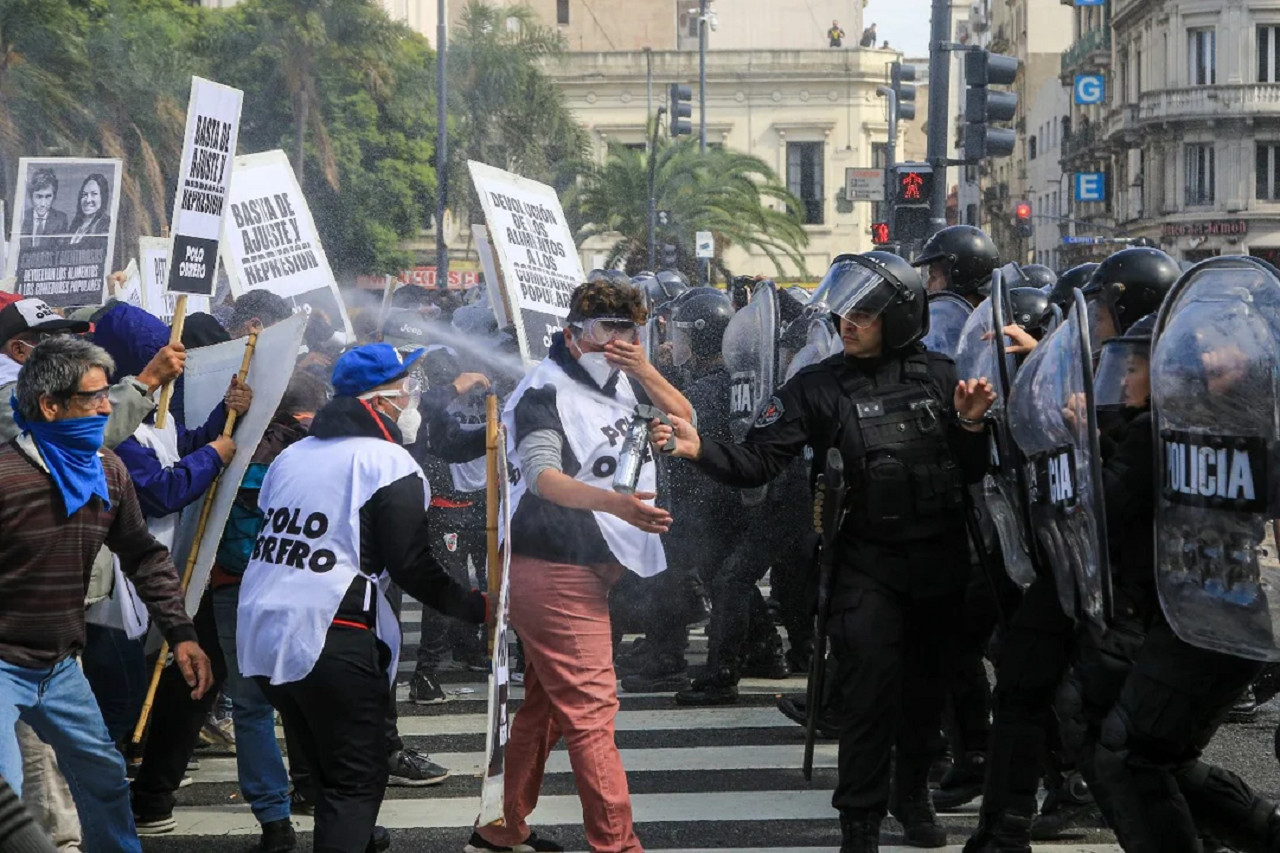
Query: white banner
{"points": [[205, 380], [535, 249], [270, 241], [208, 154], [153, 270], [63, 236]]}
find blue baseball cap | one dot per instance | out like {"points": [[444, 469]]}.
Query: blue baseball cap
{"points": [[364, 368]]}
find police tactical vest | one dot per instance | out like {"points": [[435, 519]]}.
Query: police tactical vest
{"points": [[904, 482]]}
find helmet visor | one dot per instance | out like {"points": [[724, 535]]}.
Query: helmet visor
{"points": [[682, 334], [854, 292], [1123, 377], [1102, 321]]}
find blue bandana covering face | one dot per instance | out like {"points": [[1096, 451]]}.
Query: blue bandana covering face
{"points": [[70, 449]]}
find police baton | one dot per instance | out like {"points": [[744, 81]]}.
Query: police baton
{"points": [[828, 512]]}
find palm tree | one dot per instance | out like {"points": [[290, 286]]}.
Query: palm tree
{"points": [[736, 196]]}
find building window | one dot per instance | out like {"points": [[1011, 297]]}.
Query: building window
{"points": [[1268, 171], [804, 178], [1200, 173], [1031, 148], [1269, 54], [562, 11], [1201, 54]]}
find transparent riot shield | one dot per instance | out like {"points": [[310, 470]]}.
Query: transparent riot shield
{"points": [[1215, 371], [1054, 422], [750, 355], [821, 342], [947, 315]]}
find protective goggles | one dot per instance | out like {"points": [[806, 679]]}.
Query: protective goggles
{"points": [[602, 330], [412, 387]]}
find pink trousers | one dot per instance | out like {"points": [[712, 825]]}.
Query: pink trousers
{"points": [[561, 613]]}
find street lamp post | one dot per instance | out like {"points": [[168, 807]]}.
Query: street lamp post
{"points": [[702, 75], [442, 147]]}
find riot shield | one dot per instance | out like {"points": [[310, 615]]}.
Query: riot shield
{"points": [[947, 315], [1054, 422], [750, 355], [1215, 396], [821, 342]]}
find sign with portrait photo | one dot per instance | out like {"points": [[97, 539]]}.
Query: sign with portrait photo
{"points": [[62, 238], [208, 154]]}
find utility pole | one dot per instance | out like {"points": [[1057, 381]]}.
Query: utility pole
{"points": [[890, 148], [653, 202], [648, 85], [702, 75], [939, 106], [442, 147]]}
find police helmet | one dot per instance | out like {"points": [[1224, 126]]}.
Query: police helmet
{"points": [[595, 275], [877, 284], [969, 254], [1132, 283], [1038, 275], [698, 322], [617, 277], [1029, 308], [799, 294], [1062, 293]]}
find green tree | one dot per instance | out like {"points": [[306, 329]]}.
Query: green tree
{"points": [[735, 196], [504, 109]]}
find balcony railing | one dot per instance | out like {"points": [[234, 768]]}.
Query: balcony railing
{"points": [[1094, 41], [1122, 119], [1082, 140], [1250, 99]]}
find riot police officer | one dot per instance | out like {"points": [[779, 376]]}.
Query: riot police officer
{"points": [[1039, 275], [910, 435], [1126, 286], [960, 259]]}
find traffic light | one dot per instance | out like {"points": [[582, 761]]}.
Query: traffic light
{"points": [[669, 259], [880, 233], [681, 98], [983, 69], [912, 186], [1022, 213], [900, 77]]}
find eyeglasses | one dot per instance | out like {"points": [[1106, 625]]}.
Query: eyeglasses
{"points": [[91, 399], [602, 330], [41, 337]]}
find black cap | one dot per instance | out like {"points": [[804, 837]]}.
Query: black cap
{"points": [[33, 315]]}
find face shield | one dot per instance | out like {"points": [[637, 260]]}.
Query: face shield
{"points": [[854, 290], [681, 335], [1102, 321], [1123, 378]]}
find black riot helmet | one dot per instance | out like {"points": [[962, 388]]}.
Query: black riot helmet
{"points": [[1061, 294], [968, 253], [1132, 283], [674, 282], [1038, 275], [617, 277], [1029, 308], [877, 284], [698, 321]]}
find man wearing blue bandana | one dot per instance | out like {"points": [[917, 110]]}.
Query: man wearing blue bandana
{"points": [[64, 498]]}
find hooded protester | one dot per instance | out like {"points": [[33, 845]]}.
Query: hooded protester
{"points": [[344, 514]]}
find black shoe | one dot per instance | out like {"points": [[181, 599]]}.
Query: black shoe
{"points": [[380, 840], [631, 659], [1245, 708], [771, 665], [962, 784], [920, 825], [799, 659], [532, 844], [859, 831], [716, 688], [1067, 806], [793, 708], [658, 674], [278, 837], [1003, 833], [300, 804], [425, 689], [411, 769]]}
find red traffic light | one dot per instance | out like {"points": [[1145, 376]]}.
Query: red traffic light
{"points": [[880, 233], [1023, 212]]}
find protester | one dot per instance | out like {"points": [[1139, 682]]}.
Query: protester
{"points": [[347, 506], [571, 538], [869, 37], [63, 499], [835, 35]]}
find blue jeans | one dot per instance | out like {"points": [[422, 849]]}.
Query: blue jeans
{"points": [[57, 702], [263, 779]]}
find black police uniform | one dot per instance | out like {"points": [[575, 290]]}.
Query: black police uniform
{"points": [[902, 551]]}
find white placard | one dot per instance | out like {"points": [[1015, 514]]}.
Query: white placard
{"points": [[480, 234], [535, 249], [153, 272], [270, 241], [63, 235], [208, 157]]}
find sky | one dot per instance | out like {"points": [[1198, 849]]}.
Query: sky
{"points": [[903, 23]]}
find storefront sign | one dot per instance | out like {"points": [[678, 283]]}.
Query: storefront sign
{"points": [[1212, 228]]}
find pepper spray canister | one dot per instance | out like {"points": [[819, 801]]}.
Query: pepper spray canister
{"points": [[635, 448]]}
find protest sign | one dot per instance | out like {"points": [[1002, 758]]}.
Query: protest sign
{"points": [[492, 281], [153, 270], [207, 374], [270, 241], [536, 253], [130, 290], [62, 238], [213, 125]]}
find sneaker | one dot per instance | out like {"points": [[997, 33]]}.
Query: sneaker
{"points": [[412, 769], [425, 689], [185, 781], [532, 844], [300, 804], [218, 734], [278, 837], [793, 708], [716, 688], [157, 824]]}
